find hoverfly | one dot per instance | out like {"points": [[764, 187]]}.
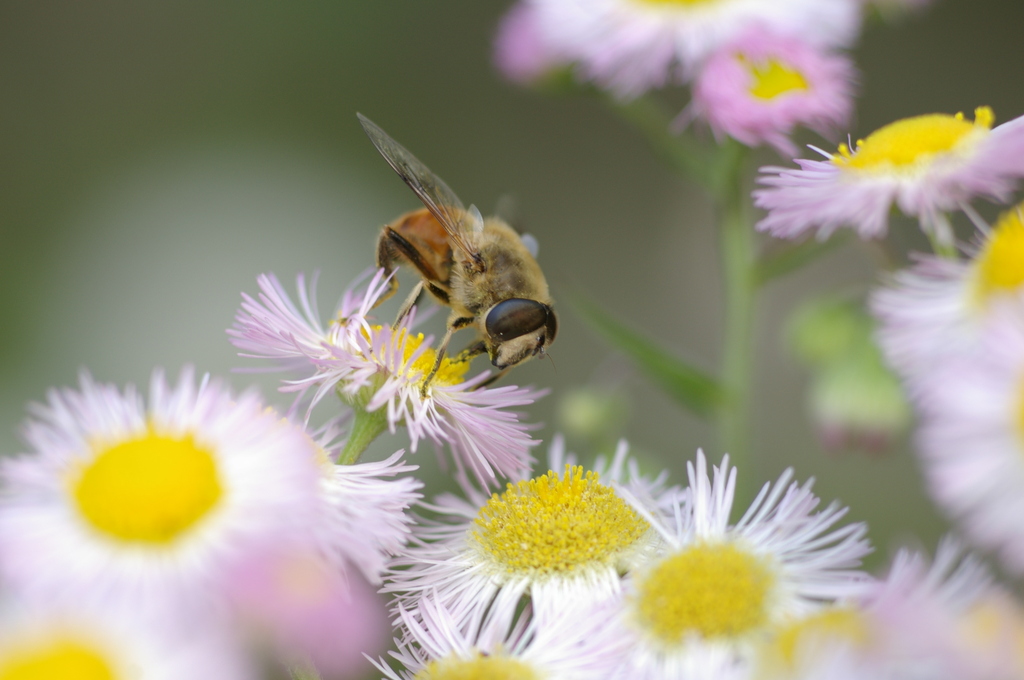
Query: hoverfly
{"points": [[481, 268]]}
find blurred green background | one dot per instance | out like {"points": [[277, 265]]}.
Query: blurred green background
{"points": [[157, 156]]}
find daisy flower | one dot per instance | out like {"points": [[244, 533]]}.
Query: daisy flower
{"points": [[926, 166], [555, 537], [631, 46], [758, 88], [715, 590], [912, 624], [971, 438], [520, 52], [150, 502], [308, 611], [40, 641], [934, 309], [572, 644], [380, 372]]}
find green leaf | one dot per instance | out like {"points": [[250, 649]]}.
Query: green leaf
{"points": [[795, 256], [690, 386]]}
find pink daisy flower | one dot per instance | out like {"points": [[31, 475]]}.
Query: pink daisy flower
{"points": [[935, 308], [971, 439], [758, 88], [377, 369], [630, 46], [926, 166], [913, 623], [520, 52]]}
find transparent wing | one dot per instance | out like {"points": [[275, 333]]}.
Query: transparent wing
{"points": [[440, 200]]}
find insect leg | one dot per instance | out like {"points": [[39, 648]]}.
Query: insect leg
{"points": [[387, 255], [453, 325], [410, 300], [473, 350]]}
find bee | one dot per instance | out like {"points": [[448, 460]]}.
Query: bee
{"points": [[481, 268]]}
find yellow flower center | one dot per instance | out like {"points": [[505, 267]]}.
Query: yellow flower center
{"points": [[714, 589], [838, 624], [448, 373], [148, 490], [64, 659], [557, 525], [478, 667], [911, 144], [771, 79], [999, 267]]}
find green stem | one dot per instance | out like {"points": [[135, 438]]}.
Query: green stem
{"points": [[739, 276], [366, 427], [303, 670], [679, 150]]}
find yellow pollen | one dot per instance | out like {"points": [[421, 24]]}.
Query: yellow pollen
{"points": [[911, 143], [558, 525], [772, 79], [148, 490], [999, 267], [713, 589], [478, 667], [448, 373], [64, 659], [836, 624]]}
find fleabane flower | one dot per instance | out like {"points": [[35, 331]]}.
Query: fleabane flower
{"points": [[520, 50], [573, 643], [922, 617], [558, 537], [715, 590], [150, 503], [760, 87], [41, 641], [630, 46], [380, 371], [971, 437], [934, 309], [926, 165]]}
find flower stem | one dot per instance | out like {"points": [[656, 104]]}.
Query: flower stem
{"points": [[366, 427], [303, 670], [740, 283]]}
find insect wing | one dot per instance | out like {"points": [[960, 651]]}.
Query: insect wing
{"points": [[439, 199]]}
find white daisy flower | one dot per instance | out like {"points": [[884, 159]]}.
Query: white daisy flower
{"points": [[556, 537], [631, 46], [41, 642], [971, 439], [926, 166], [380, 372], [574, 643], [150, 502], [366, 519], [717, 590], [934, 309]]}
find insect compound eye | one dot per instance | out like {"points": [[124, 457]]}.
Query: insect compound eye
{"points": [[514, 317], [552, 326]]}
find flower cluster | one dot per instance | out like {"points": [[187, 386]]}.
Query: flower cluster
{"points": [[624, 577], [130, 530], [380, 371]]}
